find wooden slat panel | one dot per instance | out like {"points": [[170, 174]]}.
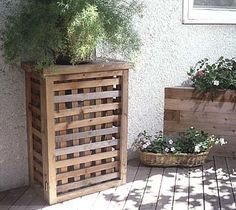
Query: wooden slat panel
{"points": [[86, 96], [86, 122], [200, 106], [216, 129], [90, 181], [38, 167], [92, 169], [205, 117], [86, 109], [93, 67], [87, 75], [35, 110], [86, 134], [88, 190], [38, 177], [85, 84], [188, 93], [85, 159], [38, 156], [85, 147], [36, 133]]}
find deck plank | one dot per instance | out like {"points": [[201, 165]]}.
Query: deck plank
{"points": [[121, 193], [211, 198], [152, 190], [165, 200], [181, 189], [135, 196], [11, 197], [196, 201], [231, 165], [211, 187], [224, 185]]}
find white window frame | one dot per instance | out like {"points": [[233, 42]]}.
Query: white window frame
{"points": [[207, 16]]}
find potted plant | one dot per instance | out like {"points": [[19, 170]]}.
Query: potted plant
{"points": [[190, 149], [207, 102], [76, 114]]}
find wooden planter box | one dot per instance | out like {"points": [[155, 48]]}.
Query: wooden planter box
{"points": [[184, 108], [77, 128]]}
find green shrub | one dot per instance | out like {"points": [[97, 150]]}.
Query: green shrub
{"points": [[68, 31]]}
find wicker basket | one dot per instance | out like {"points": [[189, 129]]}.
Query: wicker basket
{"points": [[165, 160]]}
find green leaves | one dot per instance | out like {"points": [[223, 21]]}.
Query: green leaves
{"points": [[46, 31], [219, 75]]}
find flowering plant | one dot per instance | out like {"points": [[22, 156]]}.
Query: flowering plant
{"points": [[208, 78], [191, 141]]}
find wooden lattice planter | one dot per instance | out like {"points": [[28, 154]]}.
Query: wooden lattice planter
{"points": [[77, 128], [185, 108]]}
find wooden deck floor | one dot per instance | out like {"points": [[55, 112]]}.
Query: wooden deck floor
{"points": [[211, 187]]}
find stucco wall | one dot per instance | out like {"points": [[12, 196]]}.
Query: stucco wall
{"points": [[168, 49]]}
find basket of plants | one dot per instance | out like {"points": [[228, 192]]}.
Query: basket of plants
{"points": [[188, 150]]}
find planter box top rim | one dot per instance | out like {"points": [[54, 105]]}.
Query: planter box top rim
{"points": [[95, 66], [192, 89]]}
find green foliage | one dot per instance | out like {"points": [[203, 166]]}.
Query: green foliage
{"points": [[208, 78], [191, 141], [69, 30]]}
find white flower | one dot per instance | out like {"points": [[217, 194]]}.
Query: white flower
{"points": [[171, 141], [216, 82], [145, 146], [172, 149], [197, 149], [167, 150], [222, 141]]}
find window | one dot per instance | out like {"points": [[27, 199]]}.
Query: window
{"points": [[209, 11]]}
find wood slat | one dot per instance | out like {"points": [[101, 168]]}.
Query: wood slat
{"points": [[36, 133], [85, 84], [37, 156], [86, 182], [165, 200], [87, 134], [226, 194], [181, 189], [86, 96], [211, 199], [85, 159], [189, 93], [134, 198], [200, 106], [92, 169], [88, 75], [86, 110], [86, 122], [152, 190], [85, 147], [196, 185], [88, 190], [38, 177]]}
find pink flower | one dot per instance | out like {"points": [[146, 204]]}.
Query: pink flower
{"points": [[200, 73], [206, 94]]}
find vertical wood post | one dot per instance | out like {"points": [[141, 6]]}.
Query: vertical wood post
{"points": [[29, 125], [48, 140], [124, 126]]}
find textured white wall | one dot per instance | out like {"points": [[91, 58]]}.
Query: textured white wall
{"points": [[13, 141], [168, 49]]}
